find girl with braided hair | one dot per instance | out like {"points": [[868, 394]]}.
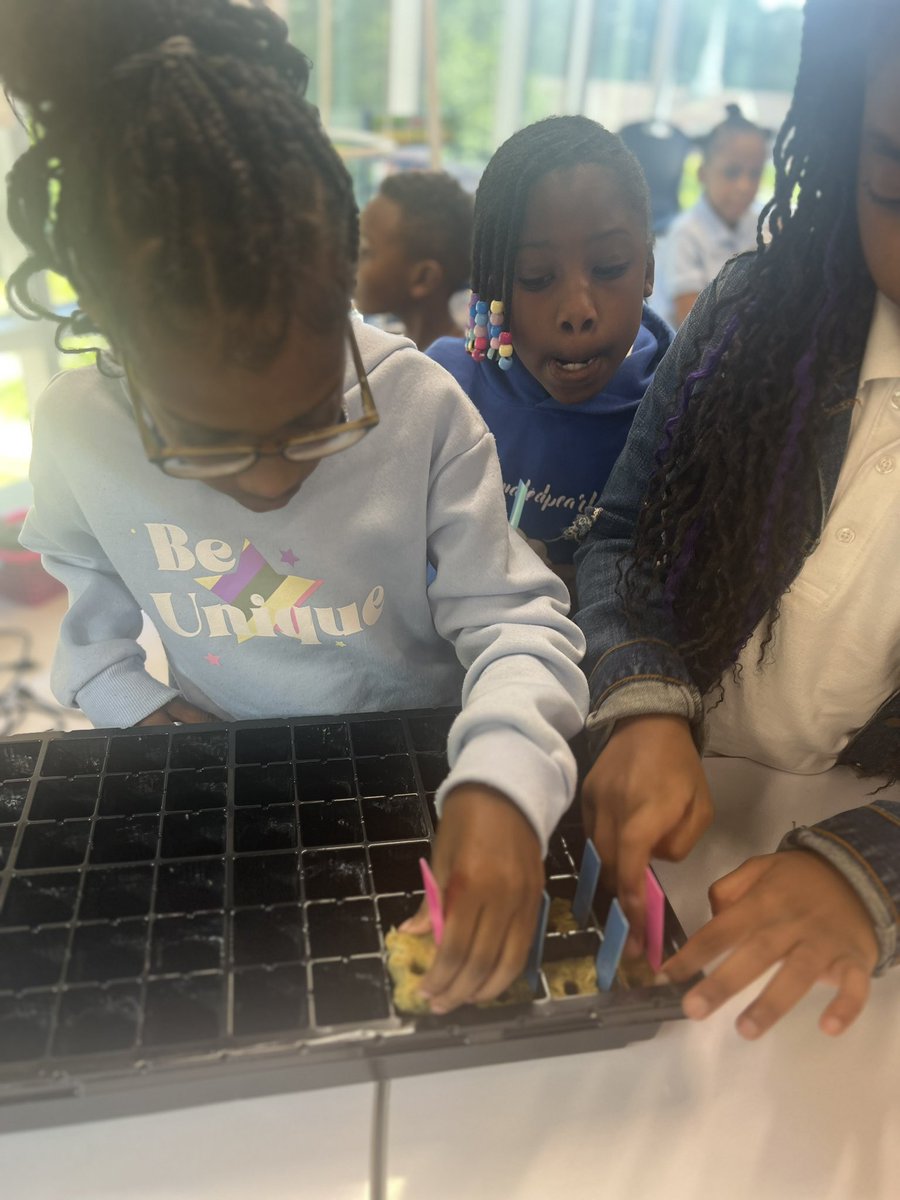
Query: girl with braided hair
{"points": [[741, 589], [562, 262], [310, 511]]}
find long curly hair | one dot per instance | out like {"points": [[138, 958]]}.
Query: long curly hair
{"points": [[735, 505], [176, 171]]}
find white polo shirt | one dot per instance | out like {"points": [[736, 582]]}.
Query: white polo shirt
{"points": [[835, 654]]}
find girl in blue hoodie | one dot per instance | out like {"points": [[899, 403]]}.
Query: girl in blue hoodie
{"points": [[561, 346]]}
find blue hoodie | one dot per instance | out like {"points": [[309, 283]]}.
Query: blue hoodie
{"points": [[563, 452]]}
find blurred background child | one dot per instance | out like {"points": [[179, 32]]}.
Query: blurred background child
{"points": [[415, 244], [723, 221]]}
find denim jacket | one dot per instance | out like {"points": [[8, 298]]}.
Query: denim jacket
{"points": [[640, 671]]}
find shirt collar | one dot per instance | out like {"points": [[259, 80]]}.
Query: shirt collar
{"points": [[882, 357], [730, 238]]}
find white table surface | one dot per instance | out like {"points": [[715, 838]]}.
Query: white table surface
{"points": [[695, 1113]]}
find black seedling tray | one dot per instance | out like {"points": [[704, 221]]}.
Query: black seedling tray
{"points": [[198, 913]]}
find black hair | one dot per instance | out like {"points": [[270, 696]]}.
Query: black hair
{"points": [[438, 220], [556, 143], [175, 170], [735, 506], [735, 123]]}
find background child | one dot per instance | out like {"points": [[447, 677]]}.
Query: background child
{"points": [[271, 501], [723, 221], [563, 245], [415, 243], [745, 573]]}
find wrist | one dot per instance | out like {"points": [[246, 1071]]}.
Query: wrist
{"points": [[479, 802]]}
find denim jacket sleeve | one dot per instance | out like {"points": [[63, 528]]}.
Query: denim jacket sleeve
{"points": [[638, 670], [864, 845]]}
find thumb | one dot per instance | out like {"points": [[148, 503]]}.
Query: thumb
{"points": [[731, 887], [418, 924]]}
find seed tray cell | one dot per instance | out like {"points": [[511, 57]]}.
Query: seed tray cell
{"points": [[270, 1000], [130, 795], [263, 745], [342, 927], [265, 936], [45, 899], [271, 828], [97, 1020], [266, 879], [334, 823], [264, 785], [181, 945], [18, 759], [391, 775], [145, 752], [198, 911], [393, 818], [53, 844], [55, 799], [329, 780], [101, 953], [12, 800], [190, 887], [336, 874], [107, 893], [7, 837], [81, 756], [196, 750], [190, 790]]}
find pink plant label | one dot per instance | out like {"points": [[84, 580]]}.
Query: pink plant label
{"points": [[433, 899], [656, 906]]}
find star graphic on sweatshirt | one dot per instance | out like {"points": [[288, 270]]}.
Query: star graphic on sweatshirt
{"points": [[214, 660], [289, 557]]}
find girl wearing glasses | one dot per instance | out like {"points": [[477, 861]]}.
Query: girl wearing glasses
{"points": [[310, 512]]}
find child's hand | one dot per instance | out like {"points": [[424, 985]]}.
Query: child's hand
{"points": [[792, 907], [645, 796], [177, 712], [487, 860]]}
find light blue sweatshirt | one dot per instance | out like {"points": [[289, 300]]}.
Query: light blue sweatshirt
{"points": [[389, 581]]}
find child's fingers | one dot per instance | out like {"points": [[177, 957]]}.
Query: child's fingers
{"points": [[419, 923], [513, 953], [732, 887], [600, 826], [160, 717], [718, 935], [680, 840], [459, 933], [188, 714], [747, 961], [636, 842], [854, 982], [802, 967], [479, 964]]}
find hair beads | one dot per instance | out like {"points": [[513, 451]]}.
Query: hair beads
{"points": [[485, 336]]}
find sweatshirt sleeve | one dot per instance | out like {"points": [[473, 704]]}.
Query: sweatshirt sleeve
{"points": [[98, 665], [524, 695], [864, 845]]}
